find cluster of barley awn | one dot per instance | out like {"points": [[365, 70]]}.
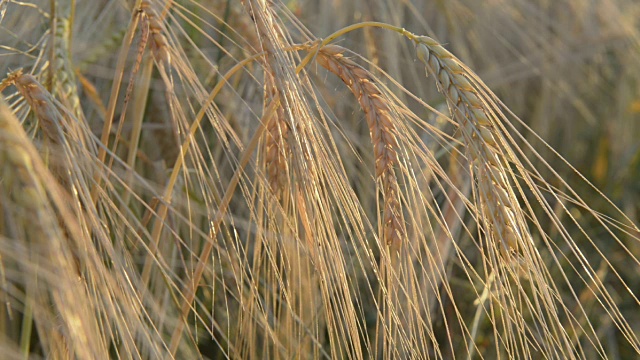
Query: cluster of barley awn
{"points": [[214, 179]]}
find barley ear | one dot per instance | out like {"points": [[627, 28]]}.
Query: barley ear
{"points": [[63, 314], [276, 148], [64, 86], [382, 131], [502, 217], [159, 43], [42, 103]]}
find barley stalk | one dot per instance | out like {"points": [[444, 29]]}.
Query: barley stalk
{"points": [[381, 129], [501, 212]]}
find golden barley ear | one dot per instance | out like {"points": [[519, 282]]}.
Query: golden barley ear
{"points": [[64, 85], [37, 233], [276, 148], [159, 43], [502, 217], [42, 103], [381, 130]]}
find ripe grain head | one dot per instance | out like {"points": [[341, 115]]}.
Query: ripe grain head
{"points": [[502, 216], [159, 43], [42, 251], [42, 104], [381, 130]]}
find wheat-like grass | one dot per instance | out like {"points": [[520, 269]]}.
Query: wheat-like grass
{"points": [[49, 268], [217, 246], [491, 156], [58, 123], [502, 216], [41, 102], [159, 43], [276, 148], [381, 129], [64, 79], [497, 176]]}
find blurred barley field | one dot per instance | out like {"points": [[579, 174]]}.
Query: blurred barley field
{"points": [[298, 179]]}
